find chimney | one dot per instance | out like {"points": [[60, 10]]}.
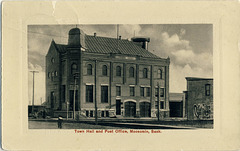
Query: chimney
{"points": [[95, 34], [143, 41], [120, 37]]}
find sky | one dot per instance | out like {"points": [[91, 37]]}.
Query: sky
{"points": [[189, 46]]}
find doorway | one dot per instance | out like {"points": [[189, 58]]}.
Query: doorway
{"points": [[130, 109], [118, 107]]}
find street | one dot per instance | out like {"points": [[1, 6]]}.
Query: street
{"points": [[54, 125]]}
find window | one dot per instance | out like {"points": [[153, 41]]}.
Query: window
{"points": [[161, 105], [49, 74], [145, 73], [89, 93], [161, 92], [207, 89], [118, 71], [104, 70], [148, 91], [73, 68], [104, 94], [159, 72], [52, 60], [156, 92], [118, 90], [102, 114], [107, 114], [132, 91], [56, 74], [52, 76], [131, 72], [89, 69], [91, 113], [87, 113], [141, 91]]}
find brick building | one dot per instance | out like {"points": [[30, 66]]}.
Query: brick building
{"points": [[120, 75], [199, 98]]}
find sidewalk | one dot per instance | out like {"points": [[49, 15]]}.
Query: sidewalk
{"points": [[146, 123]]}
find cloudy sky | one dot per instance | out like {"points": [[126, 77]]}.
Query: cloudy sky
{"points": [[189, 46]]}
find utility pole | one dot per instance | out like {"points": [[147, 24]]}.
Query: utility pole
{"points": [[74, 94], [158, 100], [67, 109], [95, 89], [33, 90]]}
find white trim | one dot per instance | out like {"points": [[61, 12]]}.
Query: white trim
{"points": [[118, 85], [129, 100], [104, 84], [89, 84], [132, 85], [145, 86]]}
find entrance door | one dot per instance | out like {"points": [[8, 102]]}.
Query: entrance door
{"points": [[118, 107], [176, 109], [71, 98], [130, 109], [145, 109]]}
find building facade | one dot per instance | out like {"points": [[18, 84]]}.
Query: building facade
{"points": [[118, 77], [199, 98]]}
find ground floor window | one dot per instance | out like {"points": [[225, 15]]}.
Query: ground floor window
{"points": [[104, 94], [91, 113], [89, 93], [161, 104]]}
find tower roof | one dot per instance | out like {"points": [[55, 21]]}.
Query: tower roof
{"points": [[74, 31]]}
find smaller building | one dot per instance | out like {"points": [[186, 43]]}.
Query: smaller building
{"points": [[199, 98], [177, 104]]}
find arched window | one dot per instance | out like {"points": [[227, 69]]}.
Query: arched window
{"points": [[89, 69], [159, 73], [118, 71], [145, 73], [73, 68], [131, 72], [104, 70]]}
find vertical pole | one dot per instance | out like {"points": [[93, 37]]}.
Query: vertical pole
{"points": [[158, 102], [95, 94], [33, 94], [67, 110], [74, 96], [33, 90]]}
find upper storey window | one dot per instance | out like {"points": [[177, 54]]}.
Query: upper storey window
{"points": [[52, 60], [207, 89], [104, 70], [118, 71], [89, 69], [73, 68], [159, 73], [131, 72], [145, 73]]}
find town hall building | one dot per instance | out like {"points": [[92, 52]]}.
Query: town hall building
{"points": [[118, 77]]}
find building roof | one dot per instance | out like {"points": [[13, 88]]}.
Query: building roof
{"points": [[197, 79], [104, 45], [176, 97]]}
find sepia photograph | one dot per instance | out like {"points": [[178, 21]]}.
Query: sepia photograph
{"points": [[120, 76]]}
